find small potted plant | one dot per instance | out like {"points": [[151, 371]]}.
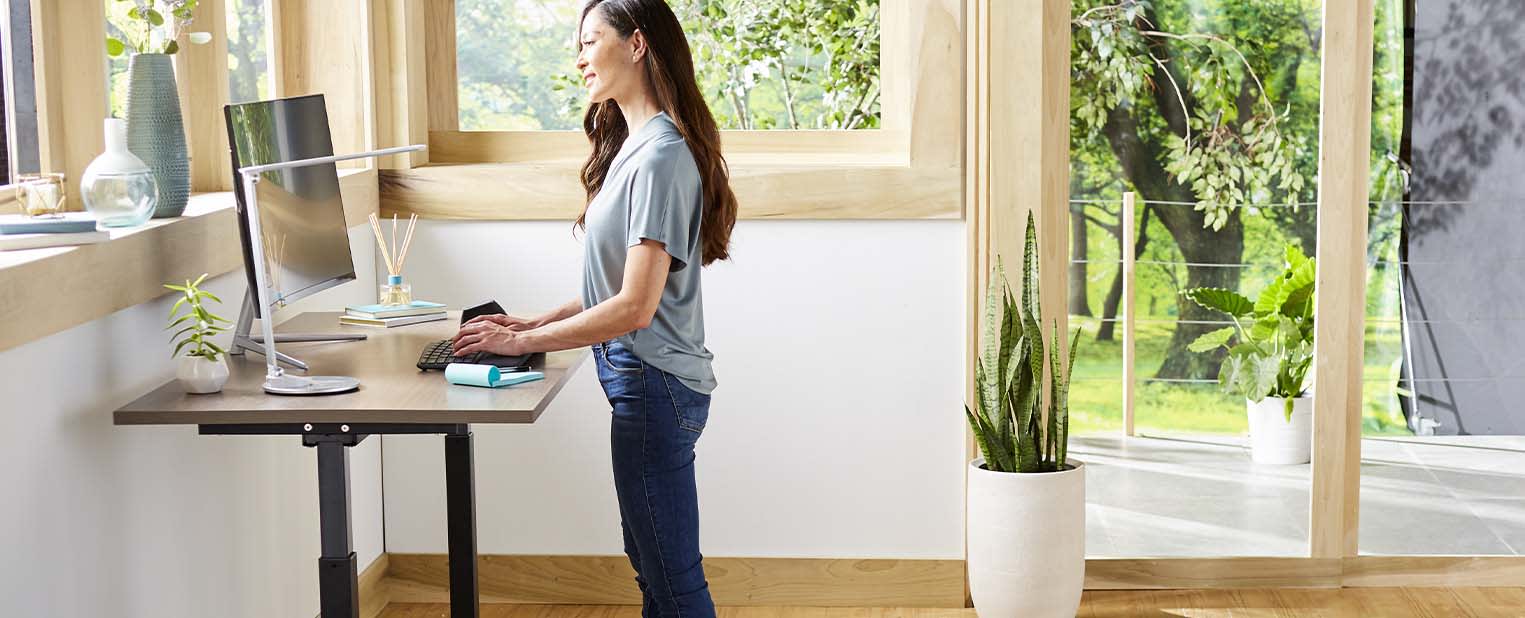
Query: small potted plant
{"points": [[204, 367], [1026, 498], [1270, 348]]}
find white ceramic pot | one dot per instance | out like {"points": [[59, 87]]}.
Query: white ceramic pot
{"points": [[1026, 542], [199, 375], [1274, 440]]}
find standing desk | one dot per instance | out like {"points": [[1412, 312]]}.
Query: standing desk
{"points": [[394, 398]]}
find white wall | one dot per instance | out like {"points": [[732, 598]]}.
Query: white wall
{"points": [[100, 520], [837, 429]]}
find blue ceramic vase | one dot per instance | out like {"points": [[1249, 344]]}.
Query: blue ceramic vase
{"points": [[155, 130]]}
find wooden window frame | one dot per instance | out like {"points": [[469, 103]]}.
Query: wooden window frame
{"points": [[910, 168]]}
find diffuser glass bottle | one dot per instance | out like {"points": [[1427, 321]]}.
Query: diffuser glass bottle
{"points": [[394, 292]]}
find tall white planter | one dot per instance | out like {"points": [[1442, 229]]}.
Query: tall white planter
{"points": [[1273, 439], [1026, 542]]}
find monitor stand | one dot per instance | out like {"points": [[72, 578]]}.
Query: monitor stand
{"points": [[243, 341]]}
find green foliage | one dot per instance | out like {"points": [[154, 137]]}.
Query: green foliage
{"points": [[196, 324], [1274, 354], [1008, 419], [1229, 148], [761, 64], [144, 29]]}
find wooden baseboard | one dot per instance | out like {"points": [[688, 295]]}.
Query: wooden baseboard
{"points": [[1354, 572], [609, 580], [826, 582], [1198, 573], [1432, 571]]}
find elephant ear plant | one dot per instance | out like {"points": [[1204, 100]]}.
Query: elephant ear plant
{"points": [[1009, 416], [1272, 355]]}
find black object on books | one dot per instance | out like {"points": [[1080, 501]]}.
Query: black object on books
{"points": [[440, 353]]}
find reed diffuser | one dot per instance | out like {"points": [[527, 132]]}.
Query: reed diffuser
{"points": [[394, 291]]}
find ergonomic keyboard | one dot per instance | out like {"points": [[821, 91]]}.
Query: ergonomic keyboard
{"points": [[440, 353]]}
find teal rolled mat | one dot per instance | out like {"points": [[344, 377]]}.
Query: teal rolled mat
{"points": [[487, 375]]}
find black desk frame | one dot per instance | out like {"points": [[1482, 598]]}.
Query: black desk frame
{"points": [[338, 572]]}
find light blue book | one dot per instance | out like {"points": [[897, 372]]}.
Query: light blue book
{"points": [[418, 307], [70, 223]]}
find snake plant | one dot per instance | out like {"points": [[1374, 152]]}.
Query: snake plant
{"points": [[1011, 412], [1272, 356]]}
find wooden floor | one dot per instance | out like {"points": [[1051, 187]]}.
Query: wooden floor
{"points": [[1278, 603]]}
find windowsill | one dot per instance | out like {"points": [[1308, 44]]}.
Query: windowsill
{"points": [[45, 291], [766, 186]]}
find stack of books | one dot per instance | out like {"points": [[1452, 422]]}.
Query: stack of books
{"points": [[387, 316], [74, 228]]}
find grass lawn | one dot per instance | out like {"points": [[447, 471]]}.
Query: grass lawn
{"points": [[1161, 408]]}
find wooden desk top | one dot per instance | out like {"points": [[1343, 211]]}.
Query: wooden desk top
{"points": [[392, 388]]}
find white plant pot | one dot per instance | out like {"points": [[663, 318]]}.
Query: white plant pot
{"points": [[1026, 542], [1274, 440], [199, 375]]}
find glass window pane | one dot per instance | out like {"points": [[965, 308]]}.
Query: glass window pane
{"points": [[248, 61], [1206, 110], [1442, 456], [762, 64]]}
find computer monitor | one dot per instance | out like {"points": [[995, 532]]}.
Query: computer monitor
{"points": [[301, 214]]}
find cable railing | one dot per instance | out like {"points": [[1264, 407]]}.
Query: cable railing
{"points": [[1384, 218]]}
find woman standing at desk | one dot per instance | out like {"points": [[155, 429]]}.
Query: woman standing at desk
{"points": [[659, 206]]}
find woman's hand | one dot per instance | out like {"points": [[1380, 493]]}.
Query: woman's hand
{"points": [[488, 336], [506, 321]]}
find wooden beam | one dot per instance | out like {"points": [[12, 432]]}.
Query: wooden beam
{"points": [[1130, 301], [201, 75], [324, 49], [439, 46], [399, 84], [69, 59], [1344, 165], [1028, 129]]}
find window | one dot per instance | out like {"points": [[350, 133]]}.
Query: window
{"points": [[18, 118], [762, 64], [248, 55]]}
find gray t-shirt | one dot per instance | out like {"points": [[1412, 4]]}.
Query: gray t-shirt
{"points": [[652, 191]]}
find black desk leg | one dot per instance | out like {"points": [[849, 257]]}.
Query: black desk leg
{"points": [[461, 516], [338, 579]]}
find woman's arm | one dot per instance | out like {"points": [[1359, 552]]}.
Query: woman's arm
{"points": [[571, 308], [646, 268]]}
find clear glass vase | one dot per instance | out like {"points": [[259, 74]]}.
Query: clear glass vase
{"points": [[118, 188]]}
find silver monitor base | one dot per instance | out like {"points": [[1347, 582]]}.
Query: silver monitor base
{"points": [[242, 341], [310, 385]]}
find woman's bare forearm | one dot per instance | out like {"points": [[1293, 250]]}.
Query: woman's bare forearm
{"points": [[605, 321], [571, 308]]}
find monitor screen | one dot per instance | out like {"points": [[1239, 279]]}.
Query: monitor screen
{"points": [[306, 242]]}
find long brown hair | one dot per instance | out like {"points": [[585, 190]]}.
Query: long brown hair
{"points": [[669, 67]]}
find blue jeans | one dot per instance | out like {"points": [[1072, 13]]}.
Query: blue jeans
{"points": [[656, 422]]}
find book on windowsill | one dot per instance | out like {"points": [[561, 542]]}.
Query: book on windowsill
{"points": [[15, 242], [69, 223], [419, 307], [390, 322]]}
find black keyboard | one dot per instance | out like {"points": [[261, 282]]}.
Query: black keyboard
{"points": [[439, 354]]}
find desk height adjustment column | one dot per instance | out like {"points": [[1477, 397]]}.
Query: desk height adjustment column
{"points": [[461, 518], [338, 572]]}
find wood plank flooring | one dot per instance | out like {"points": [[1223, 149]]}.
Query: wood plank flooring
{"points": [[1253, 603]]}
